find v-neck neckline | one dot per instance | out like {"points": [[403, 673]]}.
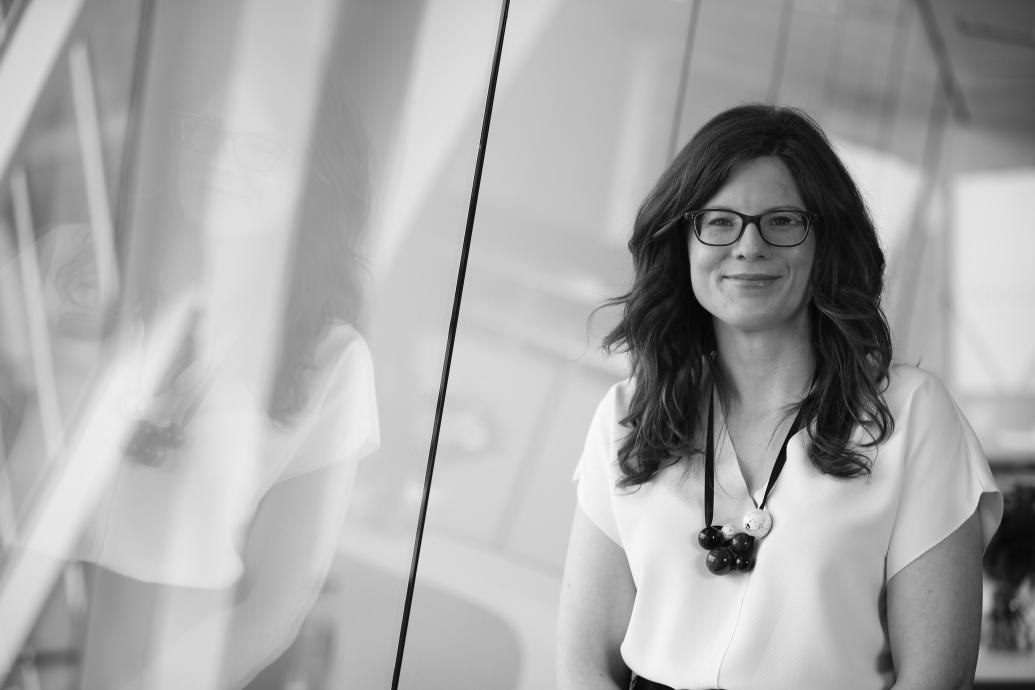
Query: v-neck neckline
{"points": [[726, 448], [727, 455]]}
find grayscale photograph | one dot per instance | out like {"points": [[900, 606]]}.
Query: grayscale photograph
{"points": [[517, 345]]}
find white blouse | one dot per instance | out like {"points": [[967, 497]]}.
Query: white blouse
{"points": [[182, 523], [809, 614]]}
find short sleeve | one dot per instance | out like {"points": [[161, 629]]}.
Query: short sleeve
{"points": [[345, 425], [945, 476], [596, 472]]}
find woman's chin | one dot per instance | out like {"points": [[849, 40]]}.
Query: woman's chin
{"points": [[763, 320]]}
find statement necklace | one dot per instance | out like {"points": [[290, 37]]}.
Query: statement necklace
{"points": [[728, 549], [151, 442]]}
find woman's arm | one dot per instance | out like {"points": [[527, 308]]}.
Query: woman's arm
{"points": [[934, 613], [287, 557], [597, 595]]}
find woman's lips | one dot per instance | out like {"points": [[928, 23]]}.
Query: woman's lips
{"points": [[752, 278]]}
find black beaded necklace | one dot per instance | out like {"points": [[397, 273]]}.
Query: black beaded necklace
{"points": [[728, 549], [151, 442]]}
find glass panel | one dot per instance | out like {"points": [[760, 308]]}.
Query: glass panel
{"points": [[736, 57], [578, 135], [260, 521], [53, 267], [914, 86], [46, 233], [110, 34], [863, 83], [812, 54], [10, 10], [583, 114], [908, 187], [60, 281], [416, 74]]}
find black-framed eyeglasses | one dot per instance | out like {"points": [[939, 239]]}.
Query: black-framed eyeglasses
{"points": [[204, 134], [720, 227]]}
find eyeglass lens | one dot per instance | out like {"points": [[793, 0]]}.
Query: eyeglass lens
{"points": [[779, 228], [205, 134]]}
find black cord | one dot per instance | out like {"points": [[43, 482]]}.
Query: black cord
{"points": [[451, 338]]}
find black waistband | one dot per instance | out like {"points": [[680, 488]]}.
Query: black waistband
{"points": [[644, 684], [641, 683]]}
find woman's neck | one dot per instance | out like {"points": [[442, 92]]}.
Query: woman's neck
{"points": [[765, 371]]}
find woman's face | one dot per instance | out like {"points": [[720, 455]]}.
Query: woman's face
{"points": [[235, 167], [751, 285]]}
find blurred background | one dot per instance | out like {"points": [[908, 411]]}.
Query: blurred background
{"points": [[230, 236]]}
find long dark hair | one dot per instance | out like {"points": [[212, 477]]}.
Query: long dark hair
{"points": [[669, 336], [326, 268]]}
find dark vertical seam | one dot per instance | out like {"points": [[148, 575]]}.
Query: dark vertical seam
{"points": [[451, 339]]}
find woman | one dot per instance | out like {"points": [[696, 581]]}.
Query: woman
{"points": [[769, 501], [213, 541], [226, 551]]}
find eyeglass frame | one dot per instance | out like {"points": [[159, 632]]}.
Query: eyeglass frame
{"points": [[745, 219], [236, 139]]}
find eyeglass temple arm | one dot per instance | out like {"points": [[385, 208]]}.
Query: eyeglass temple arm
{"points": [[668, 226]]}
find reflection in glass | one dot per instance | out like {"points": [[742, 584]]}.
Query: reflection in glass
{"points": [[9, 13], [215, 555], [209, 545], [218, 536]]}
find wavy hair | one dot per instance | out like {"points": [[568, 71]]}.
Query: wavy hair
{"points": [[669, 336], [326, 268]]}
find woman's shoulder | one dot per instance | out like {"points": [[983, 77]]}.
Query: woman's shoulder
{"points": [[342, 359], [911, 387], [619, 395], [903, 376], [612, 408], [340, 339]]}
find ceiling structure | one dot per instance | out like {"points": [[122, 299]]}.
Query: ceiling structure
{"points": [[989, 58]]}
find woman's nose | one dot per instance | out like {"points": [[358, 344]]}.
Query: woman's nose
{"points": [[751, 245]]}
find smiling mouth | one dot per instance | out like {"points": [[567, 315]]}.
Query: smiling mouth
{"points": [[752, 278]]}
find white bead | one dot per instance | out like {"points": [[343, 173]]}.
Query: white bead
{"points": [[757, 522], [728, 530]]}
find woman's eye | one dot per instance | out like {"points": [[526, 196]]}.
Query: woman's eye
{"points": [[783, 220]]}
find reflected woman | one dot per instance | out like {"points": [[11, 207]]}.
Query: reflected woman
{"points": [[219, 532], [769, 501]]}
